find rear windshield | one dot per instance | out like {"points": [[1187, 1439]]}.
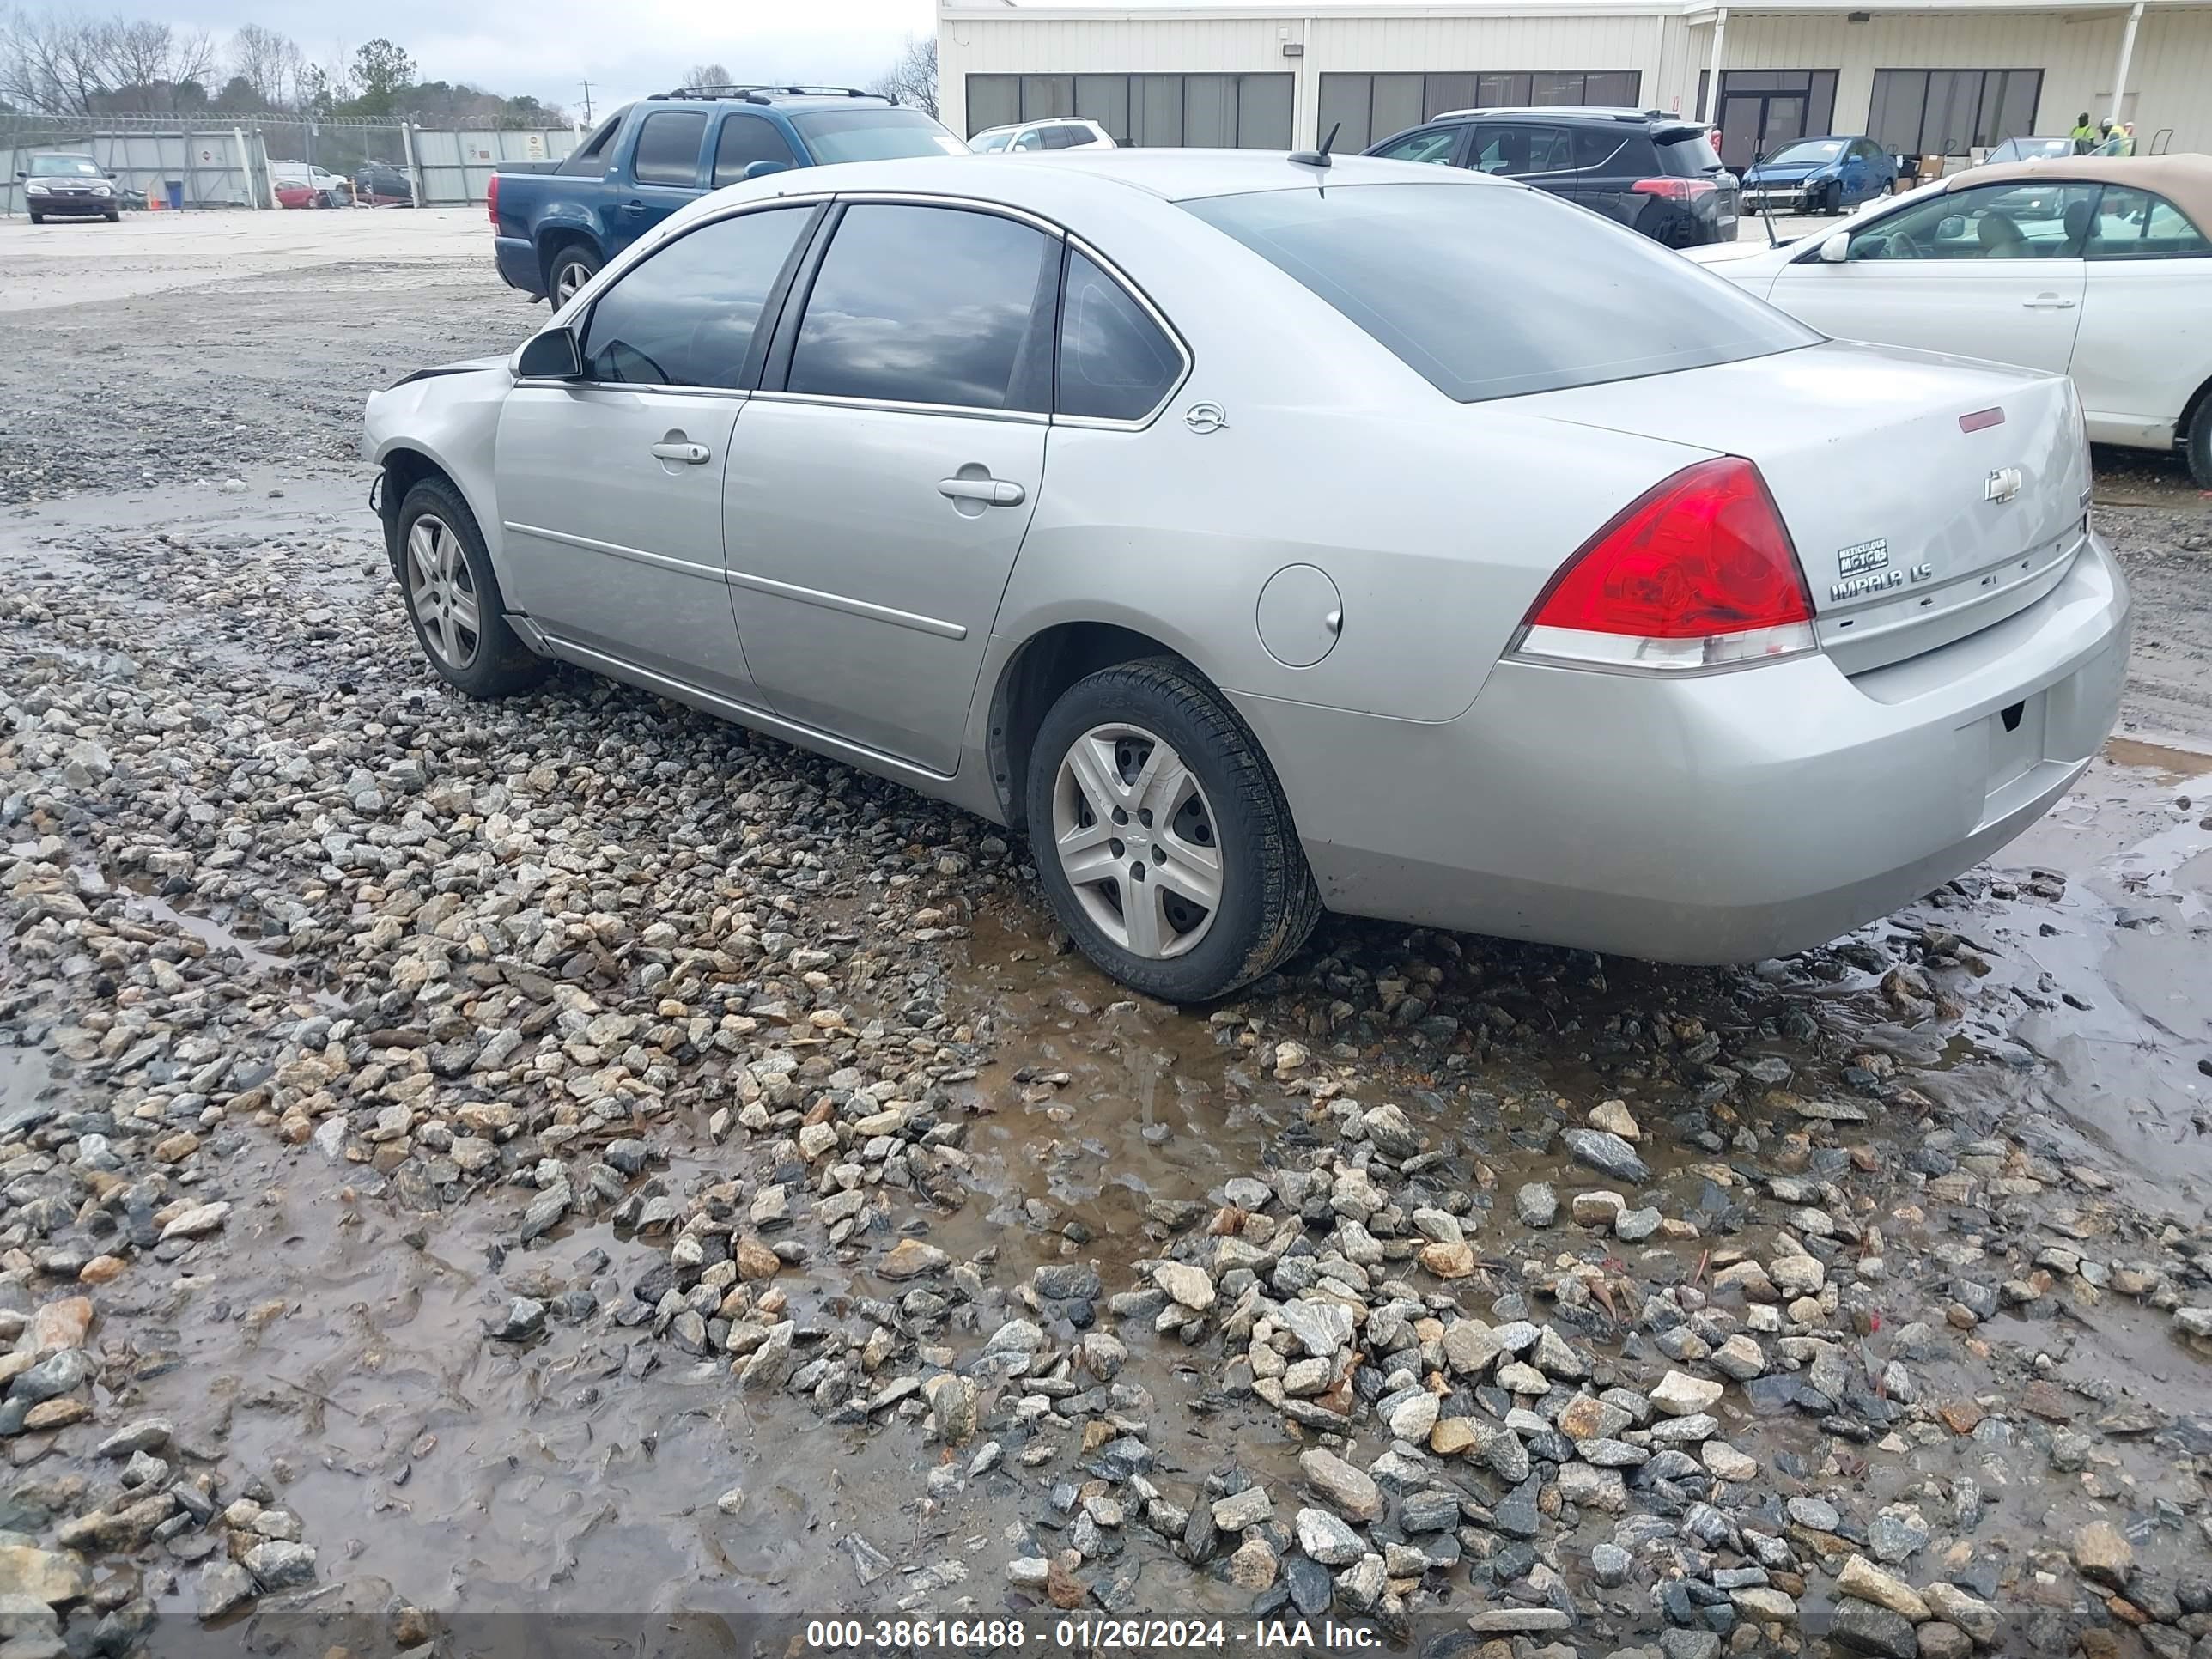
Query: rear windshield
{"points": [[1685, 152], [873, 133], [1494, 292]]}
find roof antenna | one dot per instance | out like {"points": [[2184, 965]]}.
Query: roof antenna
{"points": [[1318, 158]]}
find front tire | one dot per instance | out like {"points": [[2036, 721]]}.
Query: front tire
{"points": [[37, 218], [1161, 836], [454, 600], [2200, 445]]}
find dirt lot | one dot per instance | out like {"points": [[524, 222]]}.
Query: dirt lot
{"points": [[569, 1156]]}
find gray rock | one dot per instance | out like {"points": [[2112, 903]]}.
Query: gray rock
{"points": [[223, 1585], [1329, 1540], [1607, 1153], [1863, 1627], [1322, 1327], [523, 1320], [279, 1565], [1352, 1490], [1536, 1204], [1243, 1510], [1610, 1565]]}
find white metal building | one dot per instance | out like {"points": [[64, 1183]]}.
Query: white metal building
{"points": [[1920, 76]]}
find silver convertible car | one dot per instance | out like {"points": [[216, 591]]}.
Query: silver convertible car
{"points": [[1261, 538]]}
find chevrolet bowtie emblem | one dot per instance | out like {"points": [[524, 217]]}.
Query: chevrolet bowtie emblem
{"points": [[2003, 484]]}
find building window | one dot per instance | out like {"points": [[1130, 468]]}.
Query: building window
{"points": [[1762, 110], [1952, 112], [1218, 112], [1369, 108]]}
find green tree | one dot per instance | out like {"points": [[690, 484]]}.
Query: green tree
{"points": [[383, 72]]}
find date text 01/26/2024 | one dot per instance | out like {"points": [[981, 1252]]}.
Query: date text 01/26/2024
{"points": [[866, 1637]]}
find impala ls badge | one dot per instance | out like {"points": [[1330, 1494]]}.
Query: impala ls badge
{"points": [[2003, 484]]}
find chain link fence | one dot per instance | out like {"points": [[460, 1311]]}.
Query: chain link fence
{"points": [[244, 160]]}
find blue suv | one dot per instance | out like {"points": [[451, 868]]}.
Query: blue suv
{"points": [[555, 223]]}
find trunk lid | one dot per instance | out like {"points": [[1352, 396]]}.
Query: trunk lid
{"points": [[1928, 497]]}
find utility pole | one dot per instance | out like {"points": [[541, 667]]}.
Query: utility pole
{"points": [[587, 103]]}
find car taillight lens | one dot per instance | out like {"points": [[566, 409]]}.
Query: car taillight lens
{"points": [[1675, 190], [1697, 572], [491, 200]]}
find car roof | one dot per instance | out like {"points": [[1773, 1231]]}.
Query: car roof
{"points": [[1052, 180], [782, 97], [2184, 180], [1615, 112]]}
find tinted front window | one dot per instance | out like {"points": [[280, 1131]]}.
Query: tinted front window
{"points": [[1492, 292], [926, 305], [873, 133], [1115, 362], [744, 140], [668, 148], [1430, 145], [686, 316]]}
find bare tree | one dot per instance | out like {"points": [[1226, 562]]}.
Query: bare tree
{"points": [[707, 75], [51, 62], [269, 61], [912, 78]]}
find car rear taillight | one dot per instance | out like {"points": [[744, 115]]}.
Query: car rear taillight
{"points": [[1697, 572], [1675, 190], [491, 200]]}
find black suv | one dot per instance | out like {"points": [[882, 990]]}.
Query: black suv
{"points": [[1655, 172]]}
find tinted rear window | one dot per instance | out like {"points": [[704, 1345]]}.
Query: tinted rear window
{"points": [[1685, 153], [1495, 293], [873, 133]]}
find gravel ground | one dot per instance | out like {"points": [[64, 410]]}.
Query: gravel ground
{"points": [[573, 1156]]}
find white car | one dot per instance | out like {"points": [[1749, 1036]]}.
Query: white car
{"points": [[2096, 266], [1060, 133]]}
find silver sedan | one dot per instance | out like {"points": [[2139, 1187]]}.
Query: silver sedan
{"points": [[1261, 538]]}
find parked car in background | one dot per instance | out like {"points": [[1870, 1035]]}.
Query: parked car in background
{"points": [[2096, 266], [1819, 175], [381, 184], [998, 481], [297, 185], [1653, 173], [2029, 149], [70, 186], [554, 225], [1061, 132]]}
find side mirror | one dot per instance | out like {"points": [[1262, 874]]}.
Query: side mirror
{"points": [[19, 174], [761, 169], [1952, 227], [1836, 248], [551, 355]]}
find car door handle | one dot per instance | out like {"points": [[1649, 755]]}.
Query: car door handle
{"points": [[992, 492], [632, 207], [692, 454], [2048, 302]]}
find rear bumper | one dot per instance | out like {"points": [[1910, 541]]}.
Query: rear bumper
{"points": [[1716, 818], [517, 259]]}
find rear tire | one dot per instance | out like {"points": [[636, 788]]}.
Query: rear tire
{"points": [[572, 266], [1214, 827], [454, 600], [2199, 444]]}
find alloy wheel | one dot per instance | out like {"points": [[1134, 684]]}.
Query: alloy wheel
{"points": [[441, 591], [1136, 839], [567, 280]]}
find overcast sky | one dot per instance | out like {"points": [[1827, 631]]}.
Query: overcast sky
{"points": [[549, 47]]}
